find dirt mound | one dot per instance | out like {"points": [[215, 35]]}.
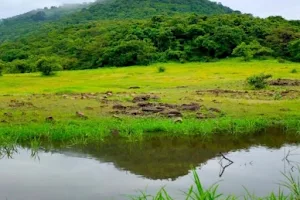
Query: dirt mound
{"points": [[285, 82], [190, 107]]}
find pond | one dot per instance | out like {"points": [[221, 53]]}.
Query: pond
{"points": [[116, 168]]}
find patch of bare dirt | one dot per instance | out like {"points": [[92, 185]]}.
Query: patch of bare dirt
{"points": [[285, 82], [16, 104]]}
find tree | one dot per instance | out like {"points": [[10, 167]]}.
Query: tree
{"points": [[254, 49], [294, 50], [48, 66], [244, 51]]}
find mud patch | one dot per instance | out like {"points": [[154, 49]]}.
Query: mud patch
{"points": [[284, 82], [18, 104]]}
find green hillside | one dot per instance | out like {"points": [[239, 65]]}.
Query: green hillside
{"points": [[136, 32], [20, 25], [120, 9]]}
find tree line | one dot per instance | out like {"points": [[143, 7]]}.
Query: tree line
{"points": [[161, 38]]}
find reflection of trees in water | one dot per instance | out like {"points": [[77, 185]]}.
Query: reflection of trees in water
{"points": [[161, 157], [170, 158]]}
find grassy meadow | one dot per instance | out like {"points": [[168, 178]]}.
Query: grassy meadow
{"points": [[33, 106]]}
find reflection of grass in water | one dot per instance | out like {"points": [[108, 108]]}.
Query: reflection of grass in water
{"points": [[198, 192], [134, 129]]}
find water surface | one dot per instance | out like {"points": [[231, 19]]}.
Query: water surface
{"points": [[116, 168]]}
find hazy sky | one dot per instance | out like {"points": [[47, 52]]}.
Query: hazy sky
{"points": [[10, 8], [288, 8]]}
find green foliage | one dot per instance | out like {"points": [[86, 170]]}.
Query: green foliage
{"points": [[139, 32], [294, 50], [161, 69], [20, 66], [258, 81], [252, 50], [1, 68], [294, 71], [48, 66], [244, 51]]}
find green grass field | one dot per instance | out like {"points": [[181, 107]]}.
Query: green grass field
{"points": [[26, 100]]}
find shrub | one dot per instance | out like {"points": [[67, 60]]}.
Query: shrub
{"points": [[281, 60], [48, 66], [252, 50], [161, 69], [294, 71], [20, 66], [259, 81]]}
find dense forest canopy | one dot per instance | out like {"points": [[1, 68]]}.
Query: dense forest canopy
{"points": [[139, 32]]}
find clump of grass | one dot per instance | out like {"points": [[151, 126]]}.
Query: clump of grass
{"points": [[292, 184], [294, 71], [198, 192], [259, 81], [161, 69]]}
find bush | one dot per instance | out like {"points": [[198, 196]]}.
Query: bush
{"points": [[281, 60], [161, 69], [48, 66], [294, 71], [20, 66], [259, 81]]}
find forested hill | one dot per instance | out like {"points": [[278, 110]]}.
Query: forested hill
{"points": [[26, 23], [138, 9], [181, 38]]}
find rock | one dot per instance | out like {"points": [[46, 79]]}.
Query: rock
{"points": [[49, 119], [201, 116], [215, 110], [81, 115], [216, 101], [135, 112], [119, 107], [145, 104], [151, 109], [141, 98], [178, 120], [191, 106], [172, 106], [174, 113], [134, 87], [117, 117], [109, 93]]}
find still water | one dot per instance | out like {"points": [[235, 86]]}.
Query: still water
{"points": [[116, 168]]}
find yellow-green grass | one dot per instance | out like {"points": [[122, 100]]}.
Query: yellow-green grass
{"points": [[226, 74], [45, 96]]}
